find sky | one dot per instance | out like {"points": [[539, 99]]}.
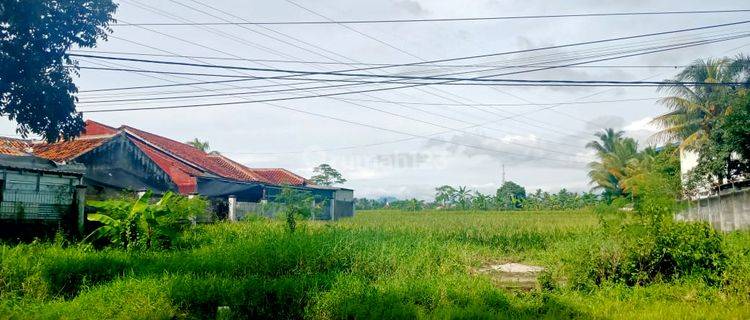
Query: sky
{"points": [[539, 146]]}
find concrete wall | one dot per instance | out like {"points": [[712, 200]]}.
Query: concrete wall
{"points": [[727, 212]]}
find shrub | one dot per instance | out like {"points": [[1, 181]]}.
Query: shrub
{"points": [[641, 257], [140, 224], [654, 247], [297, 204]]}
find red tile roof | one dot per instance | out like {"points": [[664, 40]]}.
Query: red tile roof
{"points": [[14, 147], [181, 174], [215, 163], [279, 176], [180, 161], [68, 150], [184, 152], [96, 128], [238, 170]]}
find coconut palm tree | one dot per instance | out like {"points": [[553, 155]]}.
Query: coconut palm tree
{"points": [[607, 139], [695, 108], [200, 145], [637, 170], [614, 153]]}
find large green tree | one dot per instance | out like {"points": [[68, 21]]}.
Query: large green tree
{"points": [[510, 195], [725, 156], [36, 86], [325, 175]]}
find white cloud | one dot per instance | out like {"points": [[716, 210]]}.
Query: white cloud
{"points": [[643, 124]]}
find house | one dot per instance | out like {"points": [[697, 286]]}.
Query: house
{"points": [[689, 160], [33, 189], [726, 207], [128, 158]]}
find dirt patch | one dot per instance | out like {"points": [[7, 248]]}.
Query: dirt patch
{"points": [[512, 275]]}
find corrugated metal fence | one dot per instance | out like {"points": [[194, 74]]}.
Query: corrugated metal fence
{"points": [[35, 205], [728, 211]]}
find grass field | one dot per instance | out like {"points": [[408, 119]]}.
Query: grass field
{"points": [[380, 264]]}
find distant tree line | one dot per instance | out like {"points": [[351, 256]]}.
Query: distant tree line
{"points": [[510, 196]]}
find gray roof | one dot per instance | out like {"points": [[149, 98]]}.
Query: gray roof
{"points": [[32, 163]]}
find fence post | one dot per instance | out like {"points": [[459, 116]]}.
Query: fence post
{"points": [[194, 219], [232, 203], [333, 209], [80, 203]]}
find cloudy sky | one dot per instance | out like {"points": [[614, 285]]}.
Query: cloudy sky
{"points": [[540, 144]]}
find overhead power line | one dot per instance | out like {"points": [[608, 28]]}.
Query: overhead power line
{"points": [[366, 106], [452, 129], [354, 92], [434, 61], [371, 64], [456, 80], [332, 73], [464, 19], [438, 60], [449, 81]]}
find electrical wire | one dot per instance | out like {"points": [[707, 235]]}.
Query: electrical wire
{"points": [[461, 19]]}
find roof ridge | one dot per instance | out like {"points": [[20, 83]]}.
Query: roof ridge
{"points": [[124, 126], [79, 138], [153, 145], [101, 124]]}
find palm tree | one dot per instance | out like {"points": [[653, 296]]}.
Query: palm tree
{"points": [[695, 108], [637, 170], [607, 139], [463, 196], [200, 145], [614, 153]]}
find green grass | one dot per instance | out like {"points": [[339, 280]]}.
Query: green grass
{"points": [[379, 264]]}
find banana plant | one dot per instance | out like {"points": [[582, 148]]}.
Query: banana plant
{"points": [[141, 225]]}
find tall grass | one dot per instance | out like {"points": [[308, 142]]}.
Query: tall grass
{"points": [[379, 264]]}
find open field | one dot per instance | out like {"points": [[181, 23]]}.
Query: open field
{"points": [[380, 264]]}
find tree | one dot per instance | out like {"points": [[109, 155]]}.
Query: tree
{"points": [[37, 90], [445, 195], [481, 201], [510, 195], [695, 109], [200, 145], [664, 162], [463, 197], [608, 138], [725, 156], [325, 175], [736, 126], [297, 204], [614, 153]]}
